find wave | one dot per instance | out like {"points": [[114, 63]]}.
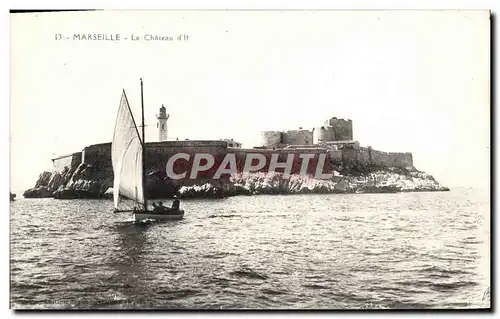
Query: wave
{"points": [[437, 286], [224, 216], [273, 292], [315, 286], [248, 273], [436, 269], [445, 287], [217, 255], [175, 294]]}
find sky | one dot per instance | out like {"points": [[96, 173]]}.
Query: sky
{"points": [[411, 81]]}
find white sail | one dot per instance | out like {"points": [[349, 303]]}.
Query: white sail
{"points": [[126, 155]]}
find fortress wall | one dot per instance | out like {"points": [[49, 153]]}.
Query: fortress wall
{"points": [[298, 137], [407, 160], [97, 155], [77, 159], [158, 154], [187, 143], [70, 161], [370, 157], [359, 156], [157, 157], [363, 156], [241, 156], [387, 159]]}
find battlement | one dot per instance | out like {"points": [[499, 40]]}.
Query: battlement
{"points": [[97, 154], [65, 162], [367, 156], [187, 143], [337, 119], [333, 129], [66, 156]]}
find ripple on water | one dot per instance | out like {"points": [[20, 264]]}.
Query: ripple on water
{"points": [[248, 273], [320, 251]]}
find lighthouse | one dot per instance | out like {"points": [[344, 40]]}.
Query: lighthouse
{"points": [[162, 123]]}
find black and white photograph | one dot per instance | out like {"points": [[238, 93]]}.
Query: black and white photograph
{"points": [[250, 160]]}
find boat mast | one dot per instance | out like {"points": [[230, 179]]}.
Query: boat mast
{"points": [[143, 153]]}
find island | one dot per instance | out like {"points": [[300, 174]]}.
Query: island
{"points": [[352, 168]]}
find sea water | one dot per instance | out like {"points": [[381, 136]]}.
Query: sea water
{"points": [[337, 251]]}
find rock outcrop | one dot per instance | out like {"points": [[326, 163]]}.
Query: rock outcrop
{"points": [[39, 192], [390, 180], [49, 182], [88, 181], [92, 181]]}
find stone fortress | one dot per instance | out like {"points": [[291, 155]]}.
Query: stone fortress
{"points": [[91, 169], [335, 138], [333, 130]]}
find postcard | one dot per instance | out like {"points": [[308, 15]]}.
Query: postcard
{"points": [[250, 159]]}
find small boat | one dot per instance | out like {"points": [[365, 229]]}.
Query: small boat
{"points": [[12, 196], [138, 216], [128, 152]]}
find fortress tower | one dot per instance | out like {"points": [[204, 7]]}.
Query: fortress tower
{"points": [[342, 129], [162, 123]]}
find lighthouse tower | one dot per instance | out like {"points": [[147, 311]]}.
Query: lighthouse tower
{"points": [[162, 123]]}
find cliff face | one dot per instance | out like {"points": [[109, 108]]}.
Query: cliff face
{"points": [[48, 183]]}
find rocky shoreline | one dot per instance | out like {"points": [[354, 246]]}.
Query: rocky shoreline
{"points": [[84, 181], [383, 181], [87, 181]]}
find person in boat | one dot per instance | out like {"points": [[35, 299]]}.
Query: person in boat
{"points": [[163, 209], [175, 204], [158, 208]]}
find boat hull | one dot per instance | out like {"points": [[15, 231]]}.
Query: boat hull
{"points": [[150, 215]]}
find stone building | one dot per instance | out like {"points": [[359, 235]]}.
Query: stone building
{"points": [[334, 130], [342, 129]]}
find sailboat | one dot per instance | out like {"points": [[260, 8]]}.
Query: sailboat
{"points": [[128, 152]]}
